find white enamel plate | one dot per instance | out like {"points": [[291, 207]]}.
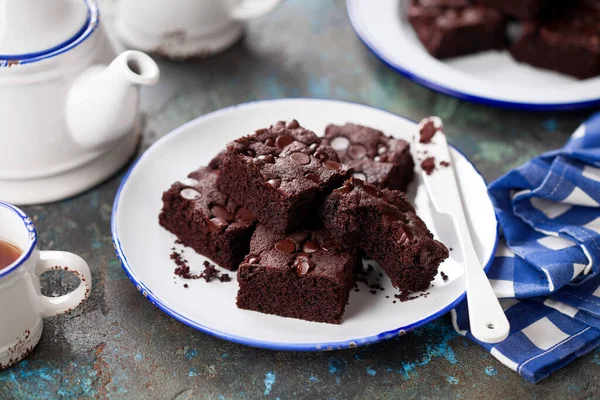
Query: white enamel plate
{"points": [[491, 78], [144, 247]]}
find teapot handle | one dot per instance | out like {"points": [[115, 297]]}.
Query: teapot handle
{"points": [[251, 9]]}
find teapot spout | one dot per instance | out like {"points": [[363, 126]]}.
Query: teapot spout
{"points": [[103, 103]]}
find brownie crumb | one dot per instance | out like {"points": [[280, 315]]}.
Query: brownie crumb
{"points": [[363, 277], [208, 274], [406, 296], [179, 261], [185, 285], [444, 276], [450, 249], [445, 164], [183, 269], [357, 290], [427, 132], [428, 165]]}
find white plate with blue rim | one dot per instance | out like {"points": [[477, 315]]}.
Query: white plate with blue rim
{"points": [[144, 247], [491, 78]]}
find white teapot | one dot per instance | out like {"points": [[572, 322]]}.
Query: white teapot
{"points": [[68, 120]]}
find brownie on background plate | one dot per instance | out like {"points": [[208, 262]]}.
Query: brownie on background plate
{"points": [[568, 43], [281, 174], [525, 9], [451, 28], [206, 219], [380, 160], [304, 275], [384, 225]]}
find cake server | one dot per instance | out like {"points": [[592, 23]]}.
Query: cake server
{"points": [[486, 317]]}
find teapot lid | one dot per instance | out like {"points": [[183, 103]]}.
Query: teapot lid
{"points": [[36, 27]]}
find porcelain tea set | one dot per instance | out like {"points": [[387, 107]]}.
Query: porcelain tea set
{"points": [[70, 119]]}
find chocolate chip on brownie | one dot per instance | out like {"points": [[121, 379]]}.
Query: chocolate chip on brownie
{"points": [[380, 160], [281, 174], [303, 275], [384, 225]]}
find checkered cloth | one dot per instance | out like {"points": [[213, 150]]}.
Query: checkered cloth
{"points": [[547, 269]]}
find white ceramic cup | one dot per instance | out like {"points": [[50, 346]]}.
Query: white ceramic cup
{"points": [[22, 305], [182, 29]]}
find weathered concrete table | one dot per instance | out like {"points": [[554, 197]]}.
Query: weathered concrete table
{"points": [[118, 345]]}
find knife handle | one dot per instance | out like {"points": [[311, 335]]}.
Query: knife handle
{"points": [[486, 317]]}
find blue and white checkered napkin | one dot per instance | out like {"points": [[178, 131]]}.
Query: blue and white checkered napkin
{"points": [[547, 268]]}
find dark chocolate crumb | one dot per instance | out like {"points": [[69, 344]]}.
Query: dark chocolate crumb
{"points": [[450, 248], [373, 291], [394, 301], [427, 132], [185, 285], [444, 163], [357, 290], [387, 297], [209, 272], [444, 276], [428, 165]]}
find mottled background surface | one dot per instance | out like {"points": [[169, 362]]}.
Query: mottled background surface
{"points": [[118, 345]]}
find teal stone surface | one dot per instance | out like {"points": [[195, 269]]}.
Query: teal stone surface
{"points": [[117, 345]]}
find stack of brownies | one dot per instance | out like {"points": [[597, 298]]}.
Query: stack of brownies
{"points": [[294, 213], [560, 35]]}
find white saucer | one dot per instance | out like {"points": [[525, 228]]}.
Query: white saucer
{"points": [[144, 247], [491, 78]]}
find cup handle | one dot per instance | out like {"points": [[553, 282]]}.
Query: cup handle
{"points": [[62, 260], [251, 9]]}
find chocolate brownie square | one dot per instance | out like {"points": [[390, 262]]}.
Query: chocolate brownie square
{"points": [[206, 219], [380, 160], [569, 44], [281, 174], [303, 275], [451, 28], [384, 225]]}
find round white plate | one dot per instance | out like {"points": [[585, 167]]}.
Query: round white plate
{"points": [[144, 247], [491, 77]]}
